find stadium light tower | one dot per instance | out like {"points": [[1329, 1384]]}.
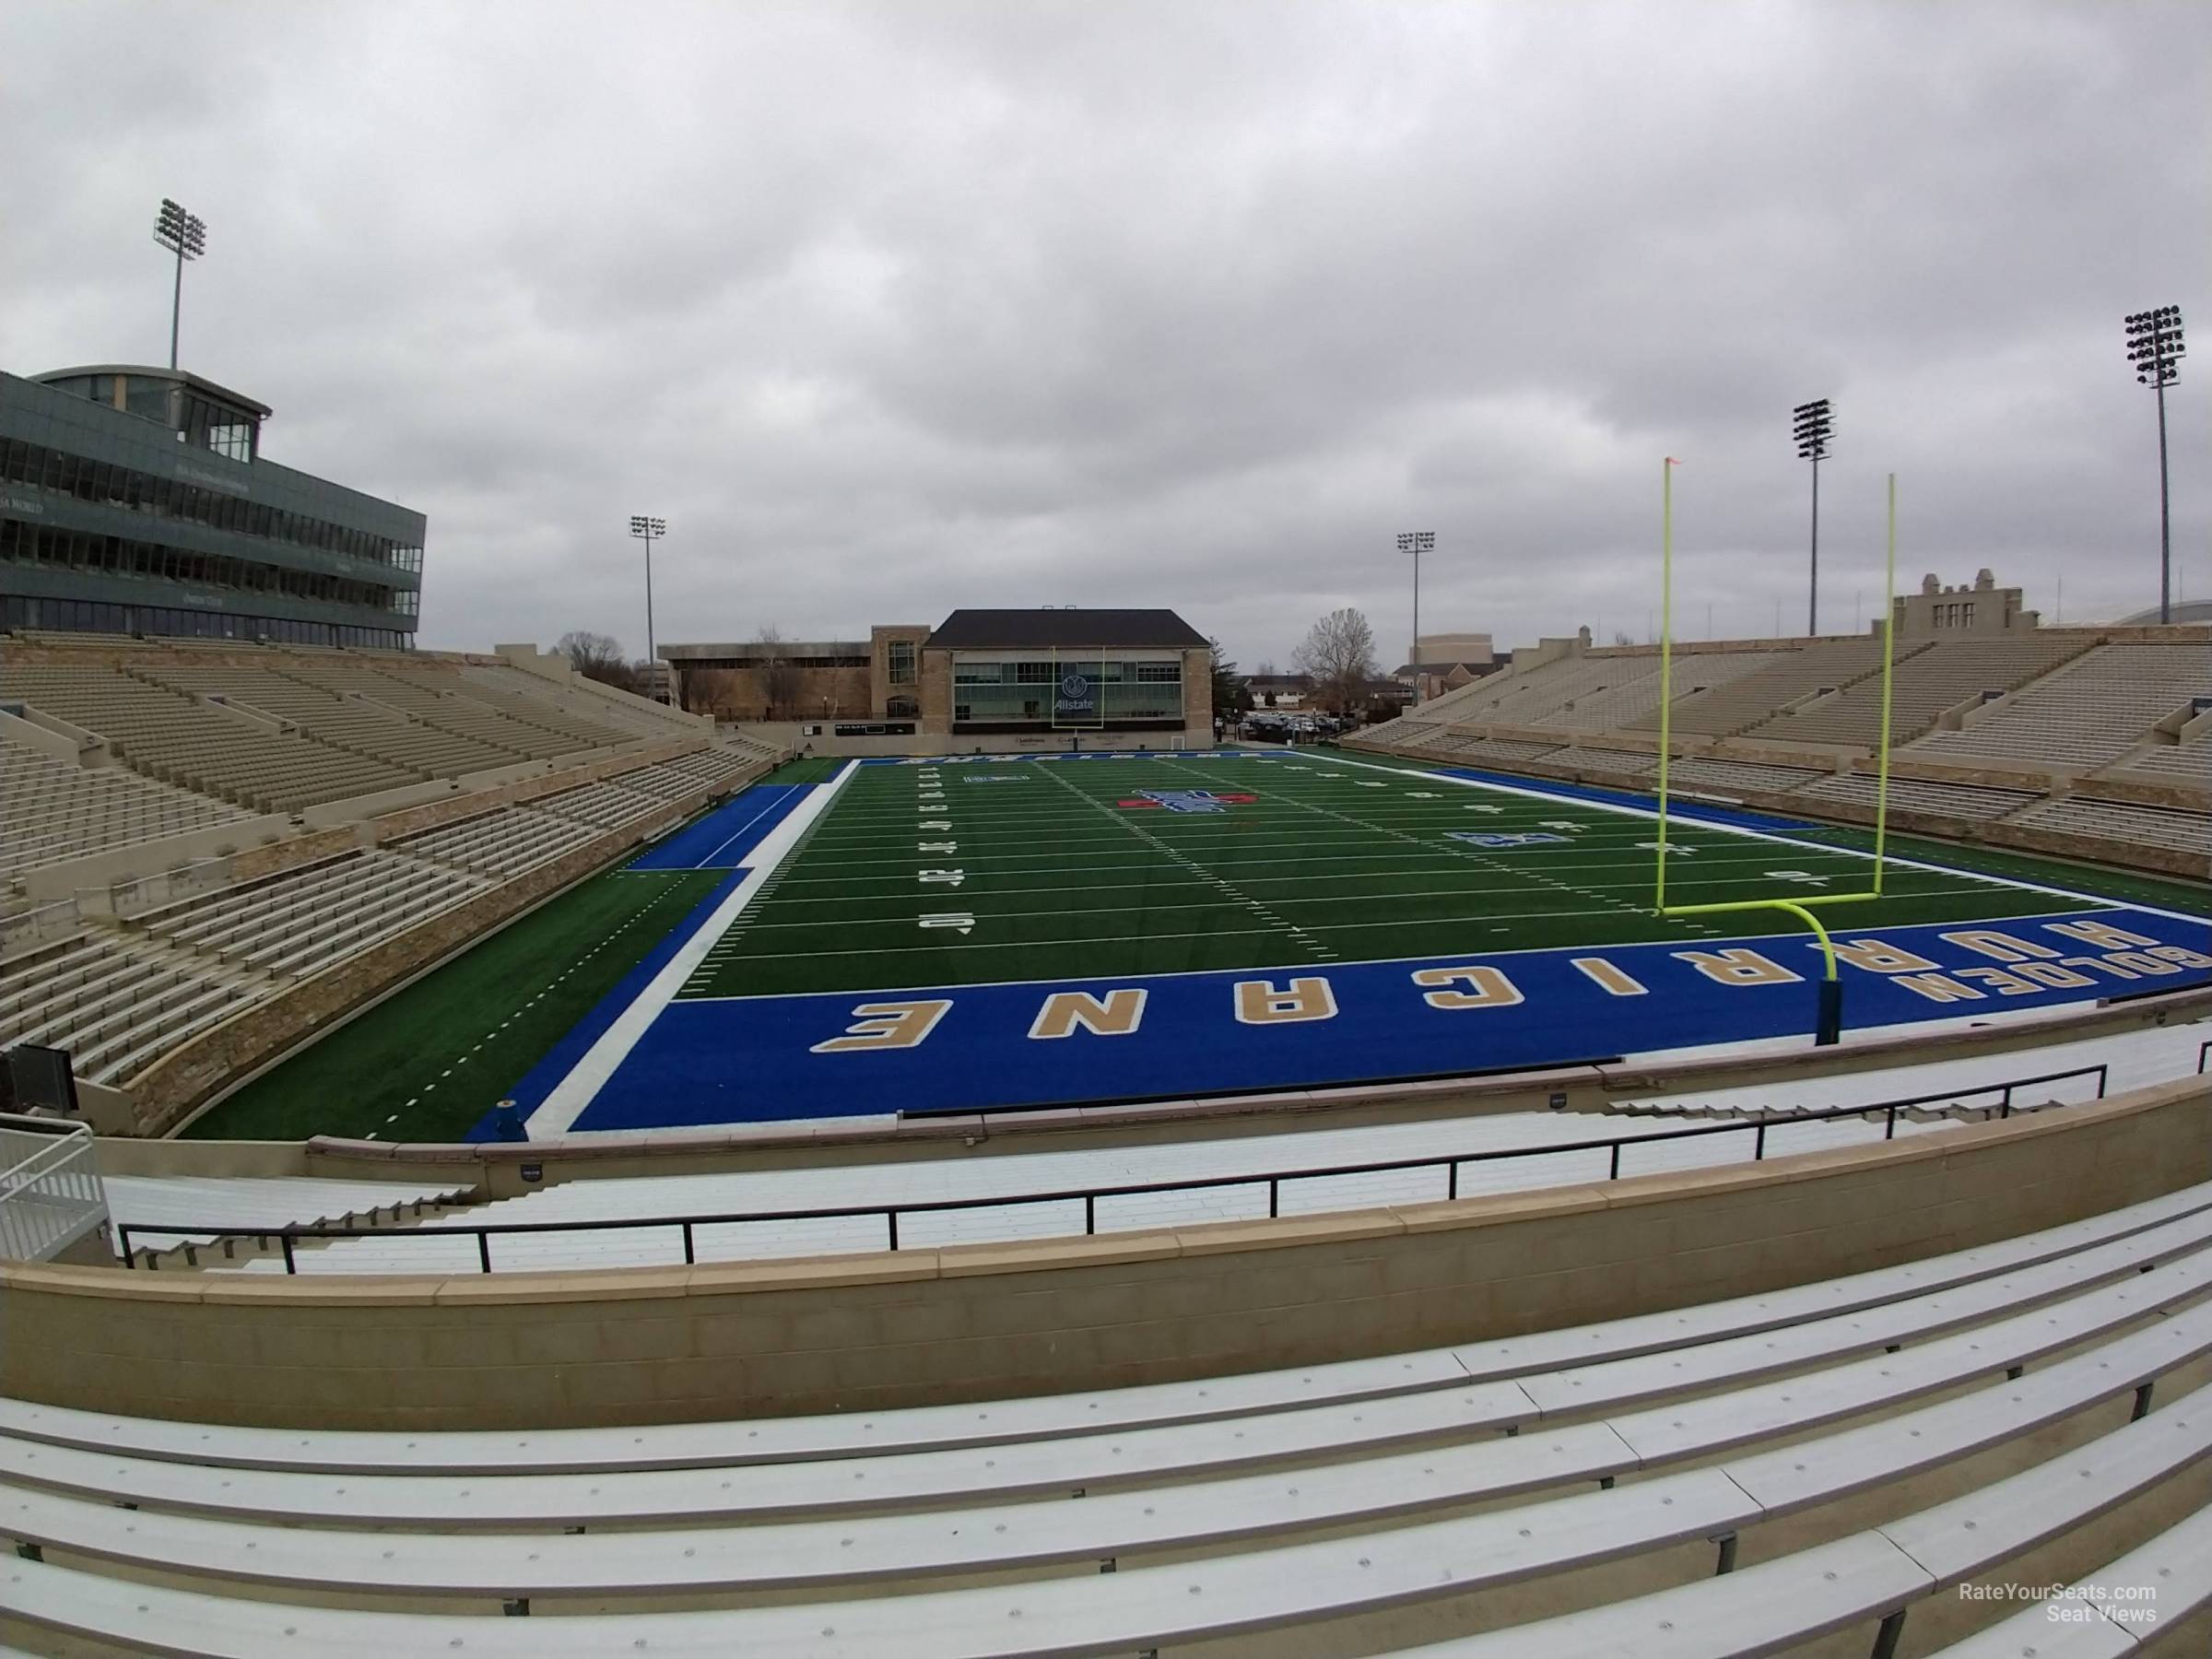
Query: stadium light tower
{"points": [[1813, 430], [646, 529], [2154, 346], [1417, 542], [185, 235]]}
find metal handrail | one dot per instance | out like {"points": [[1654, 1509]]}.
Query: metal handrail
{"points": [[59, 1133], [1273, 1180]]}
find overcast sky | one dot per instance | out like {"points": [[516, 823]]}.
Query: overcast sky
{"points": [[890, 309]]}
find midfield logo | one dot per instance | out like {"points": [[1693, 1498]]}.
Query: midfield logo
{"points": [[1187, 800], [1499, 838]]}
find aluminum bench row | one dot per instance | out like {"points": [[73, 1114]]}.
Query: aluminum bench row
{"points": [[943, 1428], [1872, 1574]]}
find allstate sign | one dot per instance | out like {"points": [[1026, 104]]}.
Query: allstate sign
{"points": [[1075, 695]]}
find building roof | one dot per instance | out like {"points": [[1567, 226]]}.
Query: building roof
{"points": [[181, 377], [2187, 610], [1062, 628]]}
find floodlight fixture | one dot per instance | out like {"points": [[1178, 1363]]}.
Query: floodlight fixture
{"points": [[2155, 347], [1417, 542], [184, 235], [1814, 426], [646, 529]]}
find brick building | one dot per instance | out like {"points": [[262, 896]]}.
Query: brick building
{"points": [[1044, 677]]}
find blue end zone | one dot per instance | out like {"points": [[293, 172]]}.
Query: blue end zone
{"points": [[750, 1059], [726, 834]]}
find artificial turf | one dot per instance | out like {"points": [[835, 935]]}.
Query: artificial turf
{"points": [[2109, 881], [427, 1063], [1331, 860], [980, 871]]}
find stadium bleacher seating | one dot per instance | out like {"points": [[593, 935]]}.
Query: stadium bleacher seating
{"points": [[435, 696], [169, 736], [2182, 830], [113, 1002], [1733, 705], [504, 842], [2086, 714], [1636, 692], [296, 923], [1868, 1441], [1700, 772], [355, 723], [52, 809], [1628, 762], [2187, 763], [1951, 800], [1924, 684], [606, 804]]}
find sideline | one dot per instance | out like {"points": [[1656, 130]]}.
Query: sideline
{"points": [[567, 1100]]}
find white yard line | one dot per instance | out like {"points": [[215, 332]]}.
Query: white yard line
{"points": [[565, 1102], [1651, 814]]}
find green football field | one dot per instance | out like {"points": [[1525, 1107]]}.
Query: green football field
{"points": [[979, 870]]}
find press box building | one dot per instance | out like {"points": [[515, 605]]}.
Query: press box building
{"points": [[1055, 678], [135, 499]]}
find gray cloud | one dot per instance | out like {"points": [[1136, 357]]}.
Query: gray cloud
{"points": [[889, 308]]}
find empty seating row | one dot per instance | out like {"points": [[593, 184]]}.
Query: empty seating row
{"points": [[299, 922], [1924, 684], [502, 843], [1729, 706], [1626, 761], [52, 809], [1698, 772], [524, 691], [2170, 827], [167, 735], [1922, 794], [1634, 696], [604, 804], [2091, 711], [1528, 697], [111, 1003], [1948, 1414], [436, 702], [2187, 763], [352, 723], [520, 713]]}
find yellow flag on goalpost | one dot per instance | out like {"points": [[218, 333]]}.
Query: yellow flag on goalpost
{"points": [[1829, 1027]]}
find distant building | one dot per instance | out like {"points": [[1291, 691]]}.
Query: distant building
{"points": [[135, 500], [1984, 609], [1005, 674], [1286, 691], [1473, 648]]}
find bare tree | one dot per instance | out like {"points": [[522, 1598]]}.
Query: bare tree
{"points": [[1339, 652], [777, 674], [597, 656]]}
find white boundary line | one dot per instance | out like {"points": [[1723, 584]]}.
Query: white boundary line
{"points": [[566, 1101]]}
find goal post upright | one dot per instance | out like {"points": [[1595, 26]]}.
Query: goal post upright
{"points": [[1828, 1028]]}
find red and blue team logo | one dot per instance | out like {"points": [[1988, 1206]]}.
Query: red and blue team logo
{"points": [[1187, 800]]}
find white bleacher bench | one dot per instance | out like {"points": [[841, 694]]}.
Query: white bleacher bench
{"points": [[1142, 1607], [987, 1423], [2175, 1568], [1758, 1611], [1879, 1572]]}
